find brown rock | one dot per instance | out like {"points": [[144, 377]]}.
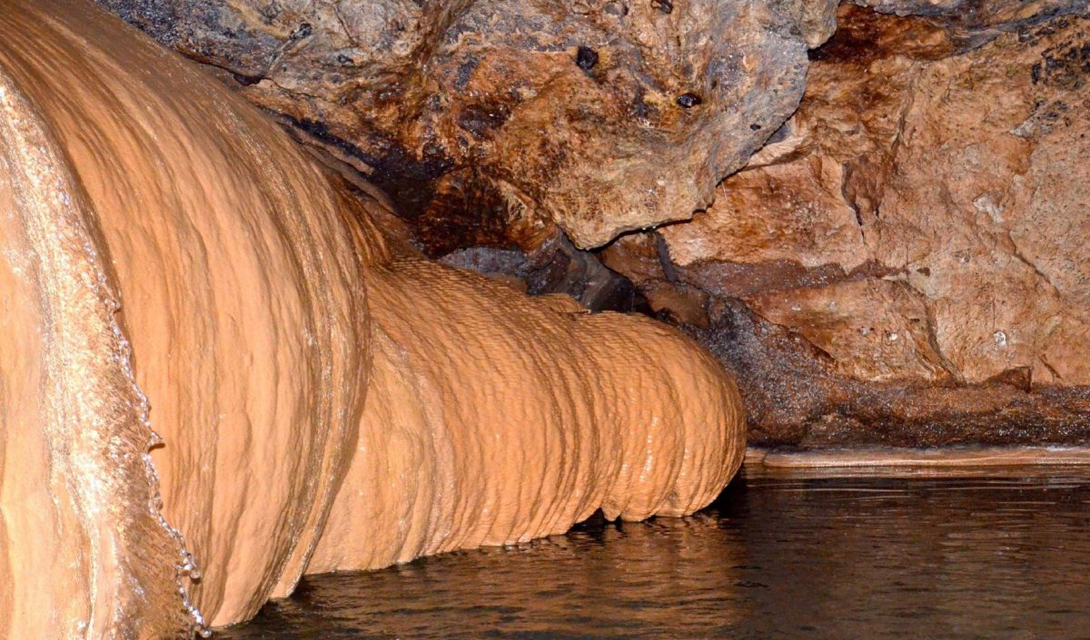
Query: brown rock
{"points": [[872, 329], [925, 189], [640, 258], [492, 121], [779, 213], [637, 255], [959, 174]]}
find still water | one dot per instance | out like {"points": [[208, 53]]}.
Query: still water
{"points": [[1001, 553]]}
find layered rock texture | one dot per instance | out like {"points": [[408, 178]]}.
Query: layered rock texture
{"points": [[490, 121], [170, 259]]}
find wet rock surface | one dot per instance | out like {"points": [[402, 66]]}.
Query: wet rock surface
{"points": [[491, 122]]}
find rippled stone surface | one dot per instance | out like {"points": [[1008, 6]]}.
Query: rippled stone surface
{"points": [[967, 554]]}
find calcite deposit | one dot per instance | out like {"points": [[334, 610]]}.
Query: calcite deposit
{"points": [[492, 121], [215, 376]]}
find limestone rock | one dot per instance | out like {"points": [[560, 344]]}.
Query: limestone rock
{"points": [[492, 121], [933, 187], [959, 177]]}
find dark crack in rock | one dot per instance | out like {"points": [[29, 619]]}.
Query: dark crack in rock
{"points": [[556, 267]]}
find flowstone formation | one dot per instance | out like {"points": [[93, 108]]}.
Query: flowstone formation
{"points": [[216, 377], [492, 121]]}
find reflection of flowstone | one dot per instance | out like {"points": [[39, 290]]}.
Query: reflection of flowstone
{"points": [[321, 404]]}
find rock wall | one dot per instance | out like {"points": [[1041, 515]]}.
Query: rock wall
{"points": [[490, 121], [914, 235], [170, 259]]}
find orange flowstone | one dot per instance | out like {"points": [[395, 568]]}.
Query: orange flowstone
{"points": [[170, 260]]}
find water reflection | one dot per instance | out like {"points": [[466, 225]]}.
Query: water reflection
{"points": [[1001, 554]]}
